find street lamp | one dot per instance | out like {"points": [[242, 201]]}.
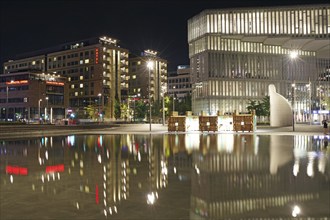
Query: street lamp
{"points": [[99, 95], [40, 100], [163, 92], [293, 56], [150, 66], [7, 108], [173, 98], [46, 111]]}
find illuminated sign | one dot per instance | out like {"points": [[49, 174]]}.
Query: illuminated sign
{"points": [[54, 83], [96, 55], [108, 40], [17, 82], [55, 168], [150, 53], [16, 170]]}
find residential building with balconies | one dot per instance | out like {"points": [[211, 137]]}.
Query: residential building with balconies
{"points": [[96, 69], [141, 75]]}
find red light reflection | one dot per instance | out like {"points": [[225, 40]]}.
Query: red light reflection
{"points": [[56, 168], [16, 170]]}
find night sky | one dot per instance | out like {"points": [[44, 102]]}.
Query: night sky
{"points": [[159, 25]]}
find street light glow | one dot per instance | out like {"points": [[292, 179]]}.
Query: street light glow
{"points": [[150, 64], [293, 54], [296, 211]]}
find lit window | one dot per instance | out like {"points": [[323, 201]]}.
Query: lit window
{"points": [[139, 62], [86, 60], [33, 62], [69, 79], [81, 77], [134, 76], [42, 61], [81, 85], [76, 94], [54, 58], [81, 61], [5, 67], [72, 86]]}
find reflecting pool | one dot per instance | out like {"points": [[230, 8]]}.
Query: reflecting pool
{"points": [[165, 176]]}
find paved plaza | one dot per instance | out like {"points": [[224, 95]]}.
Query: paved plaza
{"points": [[17, 131]]}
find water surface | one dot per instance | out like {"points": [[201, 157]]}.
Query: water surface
{"points": [[170, 176]]}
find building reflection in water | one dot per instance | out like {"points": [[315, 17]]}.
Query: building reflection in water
{"points": [[244, 175], [229, 175]]}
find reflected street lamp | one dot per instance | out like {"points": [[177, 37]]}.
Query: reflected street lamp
{"points": [[309, 88], [150, 66], [293, 56]]}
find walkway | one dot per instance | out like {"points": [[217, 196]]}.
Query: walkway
{"points": [[20, 131]]}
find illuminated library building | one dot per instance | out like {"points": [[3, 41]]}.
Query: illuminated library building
{"points": [[235, 54]]}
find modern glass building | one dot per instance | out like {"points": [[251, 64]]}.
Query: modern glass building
{"points": [[235, 54]]}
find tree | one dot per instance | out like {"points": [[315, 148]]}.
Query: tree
{"points": [[124, 111], [184, 105], [117, 109], [140, 109], [156, 109], [265, 106], [262, 108]]}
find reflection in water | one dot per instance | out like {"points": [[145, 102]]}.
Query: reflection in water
{"points": [[187, 176]]}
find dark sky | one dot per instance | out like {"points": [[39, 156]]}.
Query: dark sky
{"points": [[151, 24]]}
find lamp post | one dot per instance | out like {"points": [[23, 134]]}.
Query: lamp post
{"points": [[99, 95], [39, 109], [7, 108], [163, 92], [150, 65], [173, 98], [46, 111], [293, 56]]}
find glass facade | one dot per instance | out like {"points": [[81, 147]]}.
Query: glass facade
{"points": [[236, 54]]}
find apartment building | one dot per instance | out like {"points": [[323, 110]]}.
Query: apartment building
{"points": [[148, 67], [179, 82], [96, 69], [235, 54]]}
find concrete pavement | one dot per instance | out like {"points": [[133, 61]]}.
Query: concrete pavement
{"points": [[20, 131]]}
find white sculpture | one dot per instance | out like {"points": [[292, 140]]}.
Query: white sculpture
{"points": [[280, 109]]}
